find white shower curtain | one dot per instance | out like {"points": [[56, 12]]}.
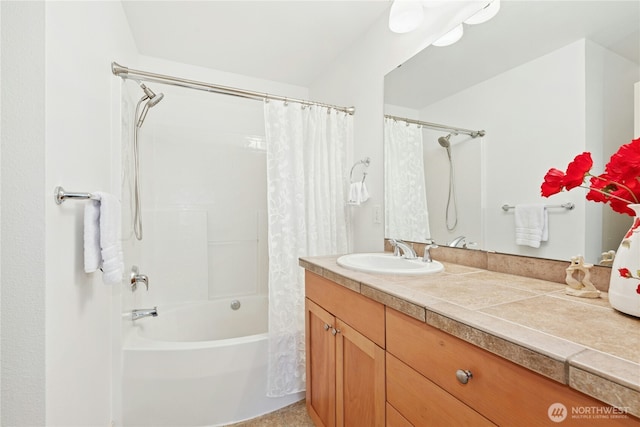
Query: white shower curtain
{"points": [[307, 188], [405, 198]]}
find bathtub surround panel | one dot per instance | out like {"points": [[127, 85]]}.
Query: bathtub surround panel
{"points": [[176, 254], [188, 121], [234, 268], [217, 163]]}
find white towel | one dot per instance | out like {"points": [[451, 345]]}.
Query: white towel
{"points": [[102, 245], [354, 193], [364, 194], [358, 193], [92, 255], [531, 225]]}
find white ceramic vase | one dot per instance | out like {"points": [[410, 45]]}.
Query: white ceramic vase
{"points": [[624, 291]]}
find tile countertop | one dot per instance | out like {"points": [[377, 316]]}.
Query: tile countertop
{"points": [[576, 341]]}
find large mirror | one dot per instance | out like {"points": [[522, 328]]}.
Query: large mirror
{"points": [[546, 80]]}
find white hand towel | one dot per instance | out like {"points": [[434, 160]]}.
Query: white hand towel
{"points": [[355, 193], [102, 245], [358, 193], [92, 255], [531, 225], [364, 194]]}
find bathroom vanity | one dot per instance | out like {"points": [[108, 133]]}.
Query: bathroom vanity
{"points": [[466, 346]]}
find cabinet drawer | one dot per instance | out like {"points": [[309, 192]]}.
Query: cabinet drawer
{"points": [[423, 403], [506, 393], [361, 313]]}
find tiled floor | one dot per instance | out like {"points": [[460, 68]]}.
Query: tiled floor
{"points": [[290, 416]]}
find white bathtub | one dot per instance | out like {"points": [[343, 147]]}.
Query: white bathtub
{"points": [[201, 364]]}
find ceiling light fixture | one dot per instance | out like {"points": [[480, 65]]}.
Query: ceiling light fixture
{"points": [[405, 16], [450, 38], [484, 14]]}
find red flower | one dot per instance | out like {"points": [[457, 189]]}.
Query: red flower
{"points": [[618, 186], [625, 163], [577, 170], [638, 289], [553, 182], [624, 272]]}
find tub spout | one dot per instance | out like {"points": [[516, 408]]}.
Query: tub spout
{"points": [[144, 312]]}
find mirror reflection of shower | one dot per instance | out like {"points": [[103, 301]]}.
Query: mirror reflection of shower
{"points": [[451, 212], [152, 100]]}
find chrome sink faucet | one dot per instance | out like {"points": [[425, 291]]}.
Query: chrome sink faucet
{"points": [[430, 244], [458, 242], [144, 312], [402, 248]]}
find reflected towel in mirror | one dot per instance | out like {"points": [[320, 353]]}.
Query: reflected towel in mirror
{"points": [[358, 193], [531, 225]]}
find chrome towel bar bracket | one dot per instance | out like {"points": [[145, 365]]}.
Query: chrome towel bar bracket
{"points": [[60, 195]]}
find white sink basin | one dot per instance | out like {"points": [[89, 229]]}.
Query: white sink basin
{"points": [[388, 264]]}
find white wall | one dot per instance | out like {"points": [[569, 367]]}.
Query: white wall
{"points": [[59, 128], [357, 78], [23, 216], [82, 154]]}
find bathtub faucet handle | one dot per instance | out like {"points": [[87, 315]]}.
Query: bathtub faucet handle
{"points": [[136, 278]]}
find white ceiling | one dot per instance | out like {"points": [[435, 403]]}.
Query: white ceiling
{"points": [[286, 41], [522, 31]]}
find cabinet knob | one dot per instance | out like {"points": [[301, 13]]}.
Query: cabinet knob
{"points": [[326, 326], [463, 376], [335, 331]]}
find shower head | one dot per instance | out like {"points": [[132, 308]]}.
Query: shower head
{"points": [[444, 141], [152, 98], [155, 99]]}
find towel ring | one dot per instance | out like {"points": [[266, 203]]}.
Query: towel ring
{"points": [[366, 162]]}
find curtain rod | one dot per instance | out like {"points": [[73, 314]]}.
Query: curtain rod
{"points": [[471, 133], [129, 73]]}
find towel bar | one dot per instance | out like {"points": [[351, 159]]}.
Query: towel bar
{"points": [[60, 195], [568, 206]]}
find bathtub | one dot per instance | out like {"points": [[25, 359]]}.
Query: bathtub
{"points": [[201, 364]]}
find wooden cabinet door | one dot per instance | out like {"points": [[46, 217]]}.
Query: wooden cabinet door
{"points": [[321, 366], [360, 379]]}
